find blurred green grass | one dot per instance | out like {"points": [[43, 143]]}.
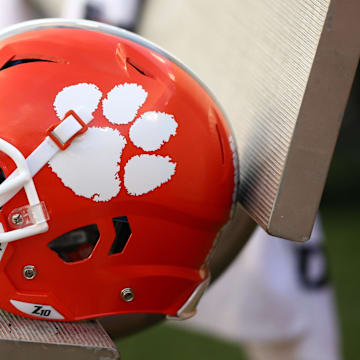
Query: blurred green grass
{"points": [[170, 343], [343, 249]]}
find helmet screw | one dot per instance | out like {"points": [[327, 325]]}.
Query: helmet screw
{"points": [[29, 272], [127, 294], [17, 219]]}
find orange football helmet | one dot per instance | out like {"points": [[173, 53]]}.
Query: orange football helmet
{"points": [[118, 171]]}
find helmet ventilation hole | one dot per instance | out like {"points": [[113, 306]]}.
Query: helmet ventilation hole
{"points": [[123, 233], [2, 176], [221, 144], [76, 245], [137, 68], [11, 63], [2, 179]]}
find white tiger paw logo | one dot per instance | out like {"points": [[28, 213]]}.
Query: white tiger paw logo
{"points": [[91, 165]]}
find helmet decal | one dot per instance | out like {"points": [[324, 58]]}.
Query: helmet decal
{"points": [[82, 98], [100, 148], [123, 102], [152, 129], [104, 146], [37, 310], [157, 169]]}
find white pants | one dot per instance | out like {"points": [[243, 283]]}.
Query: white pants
{"points": [[275, 300]]}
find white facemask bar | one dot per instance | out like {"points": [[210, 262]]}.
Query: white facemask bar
{"points": [[58, 139], [22, 179]]}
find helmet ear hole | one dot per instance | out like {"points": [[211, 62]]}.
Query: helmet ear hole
{"points": [[123, 234], [76, 245]]}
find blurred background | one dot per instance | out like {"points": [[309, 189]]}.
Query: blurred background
{"points": [[339, 208]]}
